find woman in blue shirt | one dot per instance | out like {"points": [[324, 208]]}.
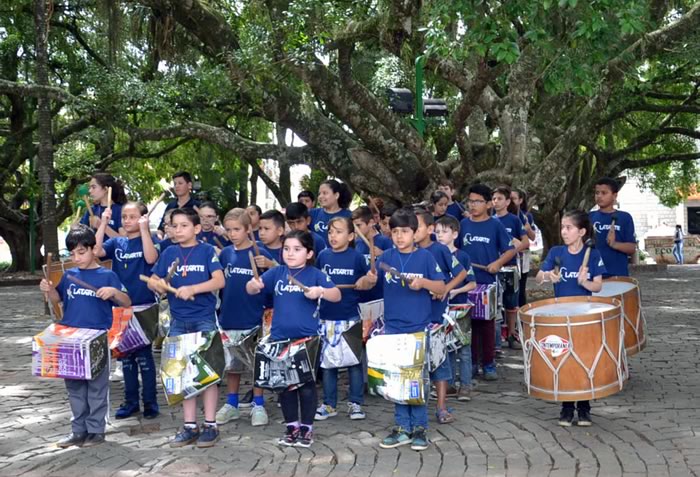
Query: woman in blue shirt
{"points": [[573, 278], [98, 195], [334, 198]]}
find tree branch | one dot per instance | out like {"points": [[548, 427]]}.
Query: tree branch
{"points": [[661, 158], [73, 29], [35, 90]]}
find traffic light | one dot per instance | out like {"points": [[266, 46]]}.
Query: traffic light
{"points": [[400, 100], [434, 108]]}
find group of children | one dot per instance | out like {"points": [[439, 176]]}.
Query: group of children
{"points": [[304, 256]]}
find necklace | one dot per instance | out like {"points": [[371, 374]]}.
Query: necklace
{"points": [[403, 265], [294, 275], [184, 260]]}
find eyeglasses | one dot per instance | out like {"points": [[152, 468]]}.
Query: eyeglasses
{"points": [[476, 202]]}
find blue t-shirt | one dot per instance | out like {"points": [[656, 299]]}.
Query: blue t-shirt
{"points": [[196, 266], [319, 243], [115, 222], [128, 263], [320, 219], [239, 311], [450, 267], [81, 307], [464, 260], [382, 242], [275, 253], [514, 227], [208, 237], [163, 244], [569, 267], [190, 204], [407, 310], [456, 210], [295, 315], [484, 242], [615, 262], [527, 218], [343, 268]]}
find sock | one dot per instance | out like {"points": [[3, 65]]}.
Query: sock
{"points": [[191, 425], [294, 424], [308, 426], [210, 424], [259, 400], [232, 399]]}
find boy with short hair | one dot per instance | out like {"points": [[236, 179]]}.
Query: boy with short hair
{"points": [[454, 275], [455, 209], [271, 233], [85, 308], [364, 222], [446, 231], [254, 212], [408, 309], [487, 242], [197, 278], [307, 198], [298, 218], [385, 215], [617, 246]]}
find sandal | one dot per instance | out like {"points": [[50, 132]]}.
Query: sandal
{"points": [[444, 416]]}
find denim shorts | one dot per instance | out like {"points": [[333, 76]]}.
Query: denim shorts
{"points": [[443, 373], [181, 327]]}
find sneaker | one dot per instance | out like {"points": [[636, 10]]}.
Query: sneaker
{"points": [[464, 394], [566, 417], [499, 353], [94, 439], [290, 437], [117, 373], [584, 418], [325, 411], [73, 439], [187, 436], [420, 441], [208, 436], [258, 416], [227, 413], [151, 411], [355, 411], [127, 410], [444, 416], [397, 438], [514, 342], [247, 400], [306, 437], [490, 373]]}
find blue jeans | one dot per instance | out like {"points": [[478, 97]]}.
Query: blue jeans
{"points": [[443, 372], [408, 417], [181, 327], [678, 252], [465, 366], [141, 359], [330, 385]]}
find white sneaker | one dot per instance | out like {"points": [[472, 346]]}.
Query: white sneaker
{"points": [[355, 411], [227, 413], [117, 373], [325, 411], [258, 416]]}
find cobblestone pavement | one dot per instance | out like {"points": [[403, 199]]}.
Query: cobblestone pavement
{"points": [[651, 428]]}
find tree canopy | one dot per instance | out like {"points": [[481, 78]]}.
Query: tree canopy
{"points": [[544, 95]]}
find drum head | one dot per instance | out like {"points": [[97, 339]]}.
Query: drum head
{"points": [[570, 309], [612, 288]]}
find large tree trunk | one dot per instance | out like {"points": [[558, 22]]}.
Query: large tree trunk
{"points": [[285, 181], [17, 238], [45, 155]]}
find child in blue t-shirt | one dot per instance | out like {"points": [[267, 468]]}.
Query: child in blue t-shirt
{"points": [[212, 233], [133, 256], [345, 266], [296, 317], [99, 187], [487, 242], [334, 198], [364, 223], [615, 246], [239, 313], [193, 309], [454, 275], [408, 309], [446, 231], [298, 218], [455, 209], [271, 233], [564, 267], [86, 308], [506, 212]]}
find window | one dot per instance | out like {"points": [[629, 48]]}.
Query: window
{"points": [[693, 220]]}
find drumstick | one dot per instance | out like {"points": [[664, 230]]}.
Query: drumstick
{"points": [[612, 225], [80, 282], [109, 197], [372, 205], [160, 199], [393, 271], [296, 282], [255, 244], [168, 286], [47, 273], [587, 255], [78, 213], [480, 267], [253, 266], [372, 256], [88, 205], [557, 264], [172, 270], [364, 239], [351, 286], [218, 242]]}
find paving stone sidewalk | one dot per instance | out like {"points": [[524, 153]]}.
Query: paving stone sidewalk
{"points": [[650, 428]]}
